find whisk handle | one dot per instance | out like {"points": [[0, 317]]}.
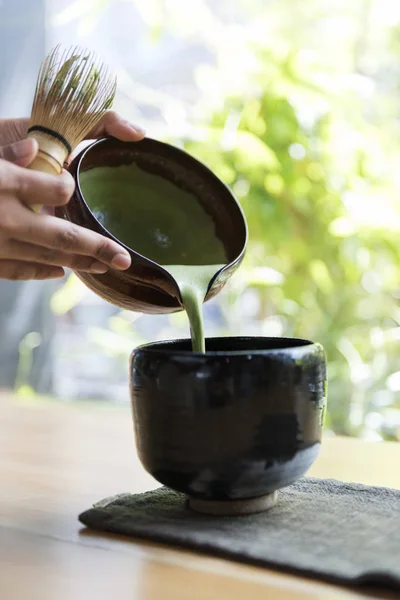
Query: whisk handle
{"points": [[46, 164], [49, 159]]}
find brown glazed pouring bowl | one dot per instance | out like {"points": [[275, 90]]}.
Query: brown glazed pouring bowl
{"points": [[146, 286]]}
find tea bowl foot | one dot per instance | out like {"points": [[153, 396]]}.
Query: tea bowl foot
{"points": [[233, 508]]}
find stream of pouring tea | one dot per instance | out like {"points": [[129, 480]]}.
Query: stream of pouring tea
{"points": [[193, 282], [164, 223]]}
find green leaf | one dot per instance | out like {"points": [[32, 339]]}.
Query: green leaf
{"points": [[253, 153]]}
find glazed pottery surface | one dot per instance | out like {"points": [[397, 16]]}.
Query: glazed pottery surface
{"points": [[238, 422], [146, 286]]}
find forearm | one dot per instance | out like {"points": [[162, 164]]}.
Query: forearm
{"points": [[12, 130]]}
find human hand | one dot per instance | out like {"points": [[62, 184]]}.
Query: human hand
{"points": [[37, 246], [12, 130]]}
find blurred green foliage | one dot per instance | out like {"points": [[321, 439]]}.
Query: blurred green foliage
{"points": [[308, 165], [299, 114]]}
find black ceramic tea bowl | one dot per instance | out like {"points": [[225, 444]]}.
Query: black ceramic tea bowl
{"points": [[229, 427]]}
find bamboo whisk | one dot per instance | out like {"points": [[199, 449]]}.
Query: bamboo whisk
{"points": [[73, 91]]}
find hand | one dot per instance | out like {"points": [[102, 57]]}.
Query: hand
{"points": [[12, 130], [37, 246]]}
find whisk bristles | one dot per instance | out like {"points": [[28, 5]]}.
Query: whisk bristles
{"points": [[73, 91]]}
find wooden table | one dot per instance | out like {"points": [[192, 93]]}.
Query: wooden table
{"points": [[57, 459]]}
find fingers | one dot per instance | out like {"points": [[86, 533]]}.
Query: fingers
{"points": [[32, 187], [23, 251], [112, 124], [45, 189], [12, 130], [20, 153], [17, 270], [57, 234]]}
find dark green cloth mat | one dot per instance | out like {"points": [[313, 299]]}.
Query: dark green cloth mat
{"points": [[340, 532]]}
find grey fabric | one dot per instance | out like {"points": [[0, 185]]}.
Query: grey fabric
{"points": [[341, 532]]}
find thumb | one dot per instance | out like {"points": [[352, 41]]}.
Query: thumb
{"points": [[20, 153]]}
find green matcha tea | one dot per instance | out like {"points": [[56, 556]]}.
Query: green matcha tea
{"points": [[163, 223], [193, 281]]}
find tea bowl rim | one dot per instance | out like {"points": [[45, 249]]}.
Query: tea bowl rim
{"points": [[165, 348]]}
